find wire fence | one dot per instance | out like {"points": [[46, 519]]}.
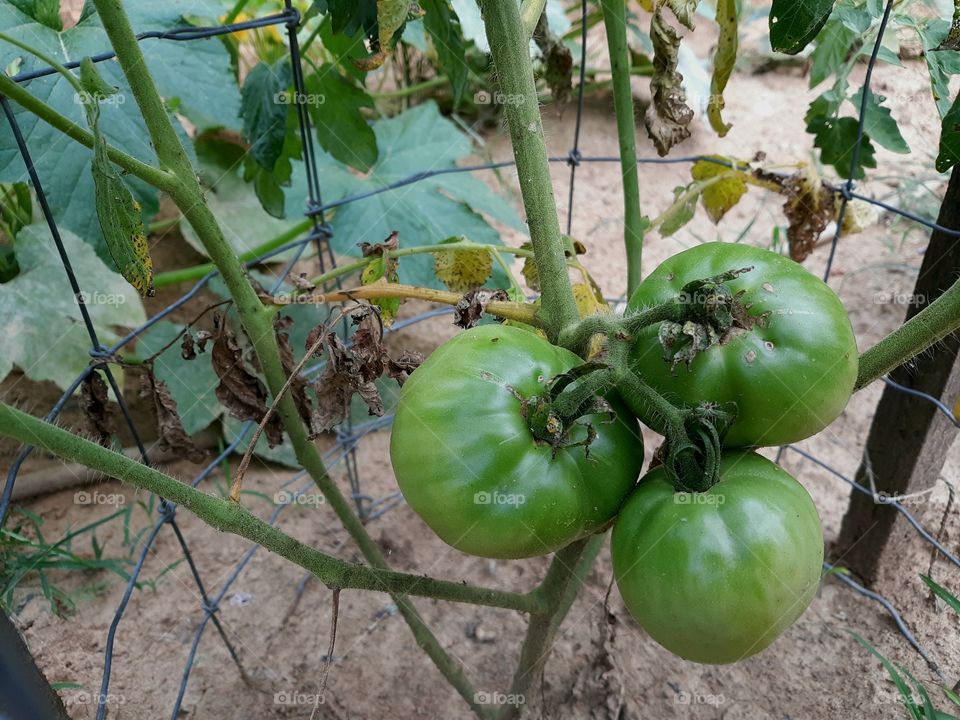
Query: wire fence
{"points": [[349, 436]]}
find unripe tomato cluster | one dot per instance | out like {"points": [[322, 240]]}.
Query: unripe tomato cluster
{"points": [[713, 576]]}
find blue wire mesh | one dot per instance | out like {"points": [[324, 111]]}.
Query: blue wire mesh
{"points": [[349, 436]]}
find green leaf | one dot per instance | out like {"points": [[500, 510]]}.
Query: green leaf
{"points": [[833, 46], [854, 18], [723, 62], [442, 25], [282, 454], [949, 153], [192, 383], [210, 98], [424, 212], [342, 130], [46, 337], [794, 23], [940, 64], [836, 138], [45, 12], [902, 687], [350, 16], [264, 107], [941, 592], [879, 123]]}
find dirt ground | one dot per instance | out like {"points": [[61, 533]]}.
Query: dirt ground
{"points": [[602, 666]]}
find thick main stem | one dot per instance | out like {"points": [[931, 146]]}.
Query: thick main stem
{"points": [[256, 320], [233, 518], [509, 47], [615, 23], [560, 587]]}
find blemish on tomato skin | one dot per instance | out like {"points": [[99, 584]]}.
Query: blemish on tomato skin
{"points": [[768, 345], [750, 356], [768, 287]]}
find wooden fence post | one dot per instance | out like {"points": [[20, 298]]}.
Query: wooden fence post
{"points": [[909, 436]]}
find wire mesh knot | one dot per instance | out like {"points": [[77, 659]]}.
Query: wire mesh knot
{"points": [[210, 607], [100, 353], [574, 157], [293, 16], [167, 510], [846, 190]]}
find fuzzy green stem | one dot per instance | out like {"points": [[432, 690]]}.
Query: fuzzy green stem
{"points": [[559, 589], [230, 517], [509, 47], [155, 176], [530, 12], [615, 22], [926, 328]]}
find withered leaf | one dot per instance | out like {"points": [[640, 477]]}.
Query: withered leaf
{"points": [[355, 369], [668, 116], [557, 60], [300, 282], [468, 311], [298, 386], [377, 249], [95, 405], [809, 207], [239, 390], [172, 435], [191, 345]]}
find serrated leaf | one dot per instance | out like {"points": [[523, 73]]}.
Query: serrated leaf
{"points": [[833, 46], [723, 194], [192, 383], [723, 62], [949, 154], [424, 212], [836, 139], [678, 214], [462, 270], [856, 19], [264, 106], [443, 26], [47, 339], [342, 130], [210, 98], [879, 123], [940, 64], [794, 23]]}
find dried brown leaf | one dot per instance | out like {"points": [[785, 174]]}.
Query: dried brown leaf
{"points": [[668, 116], [809, 208], [239, 390], [95, 405], [172, 435], [468, 311]]}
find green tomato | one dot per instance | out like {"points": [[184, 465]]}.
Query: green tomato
{"points": [[469, 465], [789, 376], [715, 577]]}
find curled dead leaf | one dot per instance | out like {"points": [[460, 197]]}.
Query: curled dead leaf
{"points": [[173, 437], [668, 116], [467, 312], [95, 406], [809, 208]]}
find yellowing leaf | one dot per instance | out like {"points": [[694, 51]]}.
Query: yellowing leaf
{"points": [[462, 270], [723, 62], [723, 194], [381, 270], [647, 5], [587, 301]]}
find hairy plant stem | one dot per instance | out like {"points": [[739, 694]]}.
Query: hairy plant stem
{"points": [[509, 48], [530, 12], [521, 312], [236, 519], [923, 330], [256, 320], [615, 23], [578, 337], [564, 578]]}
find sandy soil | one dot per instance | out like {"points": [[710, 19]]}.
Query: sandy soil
{"points": [[603, 665]]}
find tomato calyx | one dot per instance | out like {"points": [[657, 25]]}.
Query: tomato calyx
{"points": [[692, 458], [555, 415], [711, 313]]}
